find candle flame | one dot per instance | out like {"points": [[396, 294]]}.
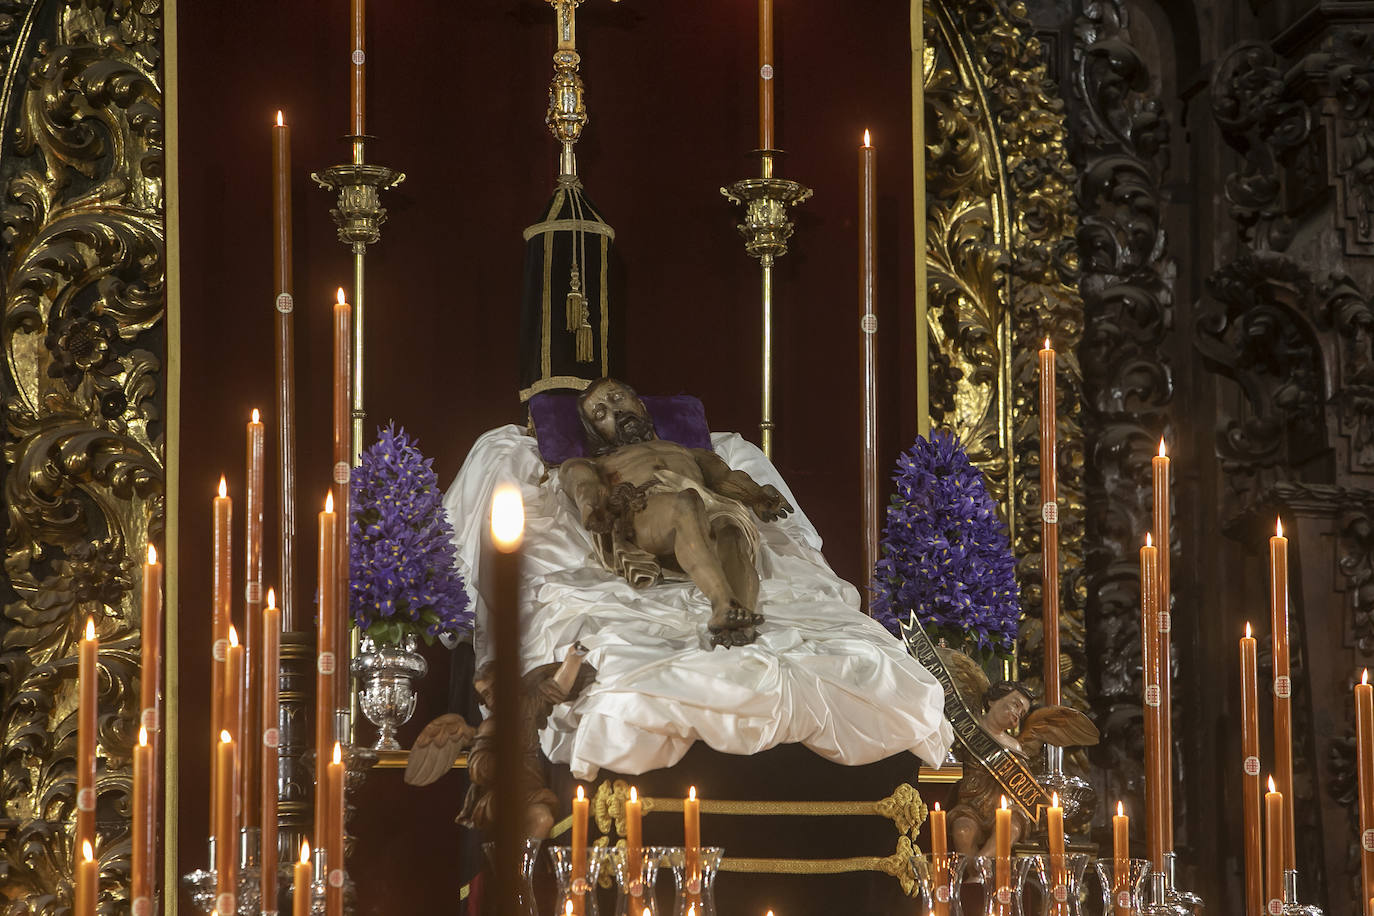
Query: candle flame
{"points": [[1054, 799], [507, 518], [305, 851], [142, 736], [647, 912], [937, 806], [152, 555], [568, 908], [1364, 676], [280, 122], [90, 628], [223, 487], [1278, 527], [867, 142], [1120, 809], [581, 796], [233, 636], [1162, 453], [634, 793], [339, 297], [256, 416], [1271, 785], [1047, 343], [692, 793], [225, 737], [329, 501], [271, 597], [86, 852], [338, 753], [692, 910], [1004, 802], [1247, 629], [1149, 541]]}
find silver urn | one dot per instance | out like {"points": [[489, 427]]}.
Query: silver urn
{"points": [[386, 689]]}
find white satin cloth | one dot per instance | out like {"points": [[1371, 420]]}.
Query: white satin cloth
{"points": [[821, 672]]}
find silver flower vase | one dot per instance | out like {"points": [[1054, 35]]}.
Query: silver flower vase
{"points": [[386, 688]]}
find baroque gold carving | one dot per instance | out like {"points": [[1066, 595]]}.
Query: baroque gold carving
{"points": [[1002, 264], [83, 272]]}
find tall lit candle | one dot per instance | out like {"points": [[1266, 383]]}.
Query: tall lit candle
{"points": [[143, 829], [1121, 862], [324, 669], [507, 535], [579, 853], [691, 842], [285, 345], [88, 680], [303, 876], [357, 60], [252, 618], [232, 714], [1002, 862], [634, 843], [343, 463], [1054, 827], [1283, 685], [222, 512], [1273, 848], [226, 836], [1159, 468], [1250, 775], [150, 670], [1049, 524], [868, 329], [1364, 744], [87, 881], [271, 740], [766, 133], [1150, 676], [333, 895], [939, 852]]}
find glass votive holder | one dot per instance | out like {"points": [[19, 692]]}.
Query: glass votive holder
{"points": [[635, 886], [941, 879], [695, 887], [1004, 899], [1123, 895], [1062, 883], [583, 887], [524, 887]]}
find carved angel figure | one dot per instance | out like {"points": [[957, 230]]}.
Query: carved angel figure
{"points": [[445, 738], [1004, 706]]}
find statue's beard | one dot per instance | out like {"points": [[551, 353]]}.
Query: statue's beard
{"points": [[631, 428]]}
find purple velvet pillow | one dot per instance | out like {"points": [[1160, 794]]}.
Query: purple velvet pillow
{"points": [[680, 418]]}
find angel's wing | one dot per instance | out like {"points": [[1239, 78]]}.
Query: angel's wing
{"points": [[969, 678], [437, 747], [1061, 726]]}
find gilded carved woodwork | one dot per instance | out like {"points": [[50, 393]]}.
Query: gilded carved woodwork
{"points": [[83, 298], [1002, 263]]}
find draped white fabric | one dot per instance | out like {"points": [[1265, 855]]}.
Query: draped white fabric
{"points": [[821, 673]]}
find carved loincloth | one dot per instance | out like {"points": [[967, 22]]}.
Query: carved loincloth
{"points": [[616, 548]]}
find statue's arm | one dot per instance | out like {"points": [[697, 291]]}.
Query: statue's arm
{"points": [[765, 500], [581, 479]]}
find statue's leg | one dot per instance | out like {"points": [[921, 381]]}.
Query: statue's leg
{"points": [[674, 524], [732, 549]]}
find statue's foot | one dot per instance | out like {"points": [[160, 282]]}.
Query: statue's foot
{"points": [[733, 616], [738, 636]]}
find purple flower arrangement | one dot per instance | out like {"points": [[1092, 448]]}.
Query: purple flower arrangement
{"points": [[402, 573], [946, 554]]}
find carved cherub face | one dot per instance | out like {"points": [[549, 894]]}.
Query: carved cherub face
{"points": [[616, 413], [1005, 713]]}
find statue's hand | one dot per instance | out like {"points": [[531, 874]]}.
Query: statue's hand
{"points": [[598, 518], [770, 504]]}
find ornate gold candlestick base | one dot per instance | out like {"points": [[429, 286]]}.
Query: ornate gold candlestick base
{"points": [[766, 230]]}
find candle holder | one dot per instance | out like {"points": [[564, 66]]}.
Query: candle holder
{"points": [[1189, 901], [1291, 906], [766, 230], [1064, 899], [202, 882], [1131, 897], [940, 878], [568, 888], [524, 889], [698, 889], [1076, 795], [635, 892], [1159, 902], [1001, 901]]}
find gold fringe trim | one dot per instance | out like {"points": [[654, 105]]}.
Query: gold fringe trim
{"points": [[569, 225]]}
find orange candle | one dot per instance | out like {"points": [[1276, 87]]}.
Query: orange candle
{"points": [[143, 829], [223, 517], [232, 715], [1364, 744], [634, 842], [1121, 862], [87, 882], [1273, 847], [1002, 863], [939, 852], [1049, 525], [1250, 775], [1059, 891], [284, 345], [1283, 685], [579, 853], [1150, 675], [324, 670], [333, 894], [88, 680], [766, 74], [507, 536], [252, 618], [303, 876], [226, 838], [270, 764], [343, 463], [150, 672], [691, 842], [1159, 466], [868, 352], [357, 59]]}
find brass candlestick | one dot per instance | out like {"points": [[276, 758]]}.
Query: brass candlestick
{"points": [[766, 229]]}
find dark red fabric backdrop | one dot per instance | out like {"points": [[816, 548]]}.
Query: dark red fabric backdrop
{"points": [[457, 93]]}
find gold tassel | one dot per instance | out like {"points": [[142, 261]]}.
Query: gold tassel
{"points": [[584, 340], [576, 302]]}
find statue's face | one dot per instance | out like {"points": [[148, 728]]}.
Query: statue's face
{"points": [[1005, 712], [615, 412]]}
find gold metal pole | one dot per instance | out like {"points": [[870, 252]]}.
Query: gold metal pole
{"points": [[171, 716], [766, 424], [918, 158]]}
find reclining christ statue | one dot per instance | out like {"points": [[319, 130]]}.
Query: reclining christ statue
{"points": [[700, 595]]}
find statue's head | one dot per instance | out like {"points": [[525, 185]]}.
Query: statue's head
{"points": [[1007, 703], [612, 416]]}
